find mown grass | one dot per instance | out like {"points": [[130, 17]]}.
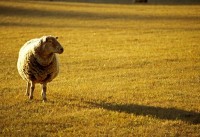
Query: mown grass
{"points": [[127, 70]]}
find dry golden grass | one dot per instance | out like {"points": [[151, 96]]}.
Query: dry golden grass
{"points": [[126, 70]]}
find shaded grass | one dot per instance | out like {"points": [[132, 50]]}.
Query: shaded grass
{"points": [[126, 70], [157, 112]]}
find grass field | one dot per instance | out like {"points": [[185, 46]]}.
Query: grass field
{"points": [[127, 70]]}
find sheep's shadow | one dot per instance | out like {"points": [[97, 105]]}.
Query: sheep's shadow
{"points": [[157, 112]]}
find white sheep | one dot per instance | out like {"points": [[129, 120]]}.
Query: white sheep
{"points": [[38, 63]]}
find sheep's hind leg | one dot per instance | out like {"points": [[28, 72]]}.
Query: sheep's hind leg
{"points": [[44, 89], [32, 90], [28, 88]]}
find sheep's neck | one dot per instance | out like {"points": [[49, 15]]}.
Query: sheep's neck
{"points": [[45, 60]]}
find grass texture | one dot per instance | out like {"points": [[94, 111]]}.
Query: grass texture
{"points": [[127, 70]]}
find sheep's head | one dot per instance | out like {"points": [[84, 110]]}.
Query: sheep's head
{"points": [[51, 45]]}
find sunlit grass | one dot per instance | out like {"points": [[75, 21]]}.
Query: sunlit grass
{"points": [[126, 70]]}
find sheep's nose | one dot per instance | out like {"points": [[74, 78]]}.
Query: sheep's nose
{"points": [[61, 50]]}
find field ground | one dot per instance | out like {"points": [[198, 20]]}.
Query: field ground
{"points": [[127, 70]]}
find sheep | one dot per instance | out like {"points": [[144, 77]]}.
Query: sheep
{"points": [[38, 63]]}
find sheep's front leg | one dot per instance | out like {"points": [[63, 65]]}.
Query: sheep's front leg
{"points": [[28, 88], [44, 89], [32, 90]]}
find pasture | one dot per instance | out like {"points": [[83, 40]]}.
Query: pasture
{"points": [[127, 70]]}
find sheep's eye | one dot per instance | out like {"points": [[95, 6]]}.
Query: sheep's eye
{"points": [[51, 41]]}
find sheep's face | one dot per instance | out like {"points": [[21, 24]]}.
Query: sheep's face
{"points": [[51, 45]]}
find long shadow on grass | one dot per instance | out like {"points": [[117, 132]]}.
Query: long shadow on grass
{"points": [[157, 112]]}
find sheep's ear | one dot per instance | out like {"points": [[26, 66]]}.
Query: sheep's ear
{"points": [[56, 37], [39, 47], [44, 39], [47, 39]]}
